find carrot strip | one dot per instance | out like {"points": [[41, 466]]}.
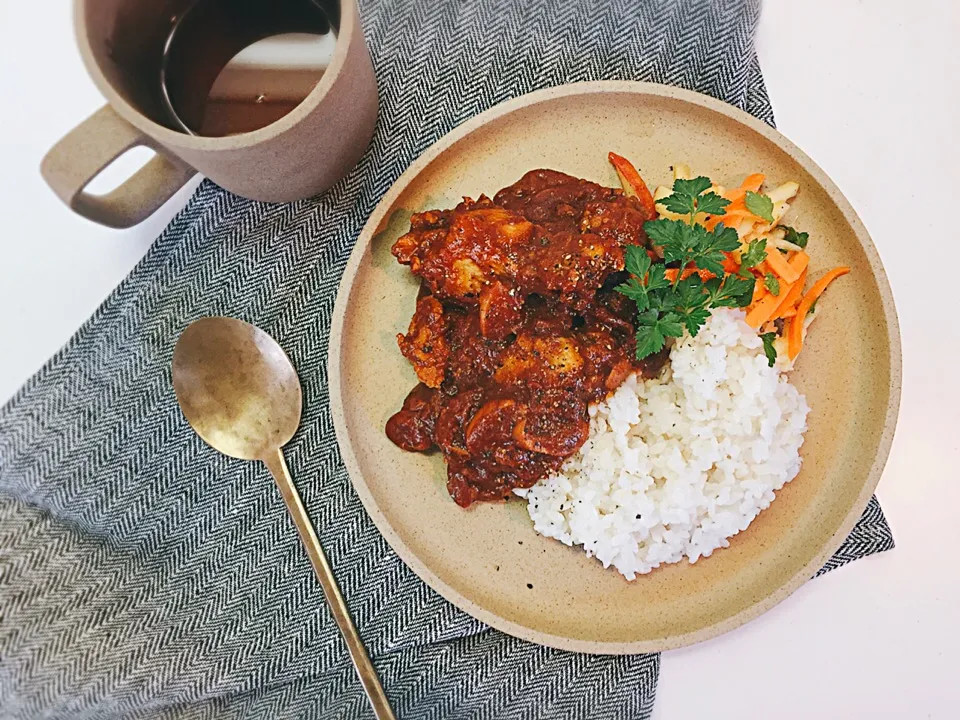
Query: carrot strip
{"points": [[799, 261], [790, 298], [738, 195], [730, 219], [794, 328], [747, 215], [671, 273], [795, 334], [736, 212], [729, 264], [762, 310], [735, 195], [734, 218], [766, 308], [752, 183], [739, 203], [633, 184], [781, 267]]}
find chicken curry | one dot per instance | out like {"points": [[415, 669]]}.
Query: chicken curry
{"points": [[517, 328]]}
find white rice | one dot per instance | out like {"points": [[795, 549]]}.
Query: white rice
{"points": [[676, 466]]}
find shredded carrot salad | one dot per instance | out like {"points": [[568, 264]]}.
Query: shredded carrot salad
{"points": [[771, 254]]}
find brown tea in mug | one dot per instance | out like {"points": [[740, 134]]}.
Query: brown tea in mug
{"points": [[264, 82], [278, 50]]}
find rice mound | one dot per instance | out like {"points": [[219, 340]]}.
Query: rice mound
{"points": [[675, 466]]}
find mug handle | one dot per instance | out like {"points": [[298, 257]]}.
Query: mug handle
{"points": [[90, 147]]}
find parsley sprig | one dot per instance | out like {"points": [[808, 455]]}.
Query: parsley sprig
{"points": [[755, 254], [664, 308], [769, 349], [771, 283], [760, 205], [797, 238], [690, 197]]}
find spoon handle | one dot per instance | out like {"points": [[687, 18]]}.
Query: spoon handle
{"points": [[338, 606]]}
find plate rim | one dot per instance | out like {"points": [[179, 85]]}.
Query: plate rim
{"points": [[349, 458]]}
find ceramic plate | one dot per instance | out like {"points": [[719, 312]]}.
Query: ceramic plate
{"points": [[487, 560]]}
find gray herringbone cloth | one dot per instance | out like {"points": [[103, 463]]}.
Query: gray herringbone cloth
{"points": [[144, 575]]}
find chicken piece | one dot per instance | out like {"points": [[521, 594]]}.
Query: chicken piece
{"points": [[548, 361], [551, 199], [555, 423], [412, 427], [548, 233], [582, 229], [473, 356], [494, 474], [475, 244], [500, 310], [615, 221], [492, 423], [569, 265], [421, 224], [425, 345], [560, 202]]}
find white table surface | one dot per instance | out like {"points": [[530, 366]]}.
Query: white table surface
{"points": [[869, 89]]}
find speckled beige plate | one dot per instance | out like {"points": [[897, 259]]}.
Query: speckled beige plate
{"points": [[485, 559]]}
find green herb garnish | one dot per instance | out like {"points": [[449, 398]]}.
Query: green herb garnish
{"points": [[755, 254], [653, 330], [769, 349], [664, 308], [686, 244], [734, 291], [691, 197], [797, 238], [760, 205], [771, 283]]}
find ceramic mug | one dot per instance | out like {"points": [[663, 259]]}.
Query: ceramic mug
{"points": [[303, 153]]}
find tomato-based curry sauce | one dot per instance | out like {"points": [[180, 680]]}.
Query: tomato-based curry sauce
{"points": [[517, 328]]}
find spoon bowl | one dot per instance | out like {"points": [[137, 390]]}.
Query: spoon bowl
{"points": [[237, 387]]}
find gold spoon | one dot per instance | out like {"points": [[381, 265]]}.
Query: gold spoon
{"points": [[240, 393]]}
